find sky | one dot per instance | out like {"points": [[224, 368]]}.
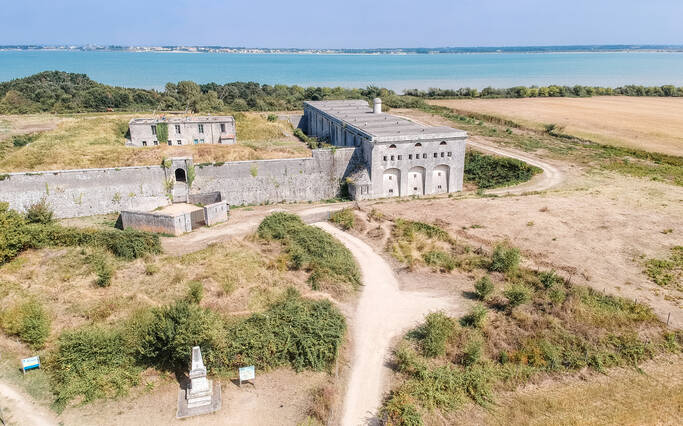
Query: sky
{"points": [[341, 24]]}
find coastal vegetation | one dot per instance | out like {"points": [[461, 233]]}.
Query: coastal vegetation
{"points": [[61, 92]]}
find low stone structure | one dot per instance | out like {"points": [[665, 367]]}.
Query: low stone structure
{"points": [[202, 396], [186, 130], [177, 219]]}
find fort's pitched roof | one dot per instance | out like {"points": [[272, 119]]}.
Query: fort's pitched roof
{"points": [[381, 127]]}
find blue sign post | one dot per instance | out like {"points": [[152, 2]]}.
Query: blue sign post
{"points": [[30, 364]]}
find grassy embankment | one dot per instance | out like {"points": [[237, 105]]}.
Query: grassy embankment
{"points": [[527, 323], [97, 140], [97, 339], [552, 143]]}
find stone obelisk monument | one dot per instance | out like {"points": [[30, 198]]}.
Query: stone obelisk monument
{"points": [[202, 396]]}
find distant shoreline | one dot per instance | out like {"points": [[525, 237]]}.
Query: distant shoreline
{"points": [[373, 52]]}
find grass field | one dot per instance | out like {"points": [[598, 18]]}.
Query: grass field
{"points": [[97, 140], [650, 124]]}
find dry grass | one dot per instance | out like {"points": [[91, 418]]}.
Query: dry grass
{"points": [[97, 140], [237, 278], [650, 124], [623, 397]]}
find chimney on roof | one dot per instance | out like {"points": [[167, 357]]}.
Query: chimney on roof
{"points": [[377, 106]]}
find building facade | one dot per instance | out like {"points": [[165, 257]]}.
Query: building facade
{"points": [[188, 130], [402, 157]]}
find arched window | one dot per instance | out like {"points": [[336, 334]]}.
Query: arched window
{"points": [[180, 175], [443, 143], [392, 146], [418, 144]]}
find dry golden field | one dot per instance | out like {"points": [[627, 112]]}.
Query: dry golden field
{"points": [[647, 123]]}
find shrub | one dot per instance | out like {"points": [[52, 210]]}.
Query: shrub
{"points": [[484, 287], [13, 239], [39, 212], [548, 279], [272, 117], [399, 411], [434, 334], [476, 317], [92, 363], [312, 249], [344, 218], [195, 292], [487, 171], [517, 294], [296, 332], [22, 140], [504, 258], [440, 259], [163, 337], [29, 321], [102, 269]]}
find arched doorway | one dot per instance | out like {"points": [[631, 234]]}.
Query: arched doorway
{"points": [[416, 181], [180, 175], [391, 183], [440, 179]]}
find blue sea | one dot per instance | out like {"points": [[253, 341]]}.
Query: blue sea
{"points": [[398, 72]]}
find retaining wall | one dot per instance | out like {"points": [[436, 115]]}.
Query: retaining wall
{"points": [[88, 192]]}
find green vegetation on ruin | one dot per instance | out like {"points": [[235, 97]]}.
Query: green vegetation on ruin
{"points": [[487, 171], [311, 249]]}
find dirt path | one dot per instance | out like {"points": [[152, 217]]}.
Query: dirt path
{"points": [[19, 409], [383, 313]]}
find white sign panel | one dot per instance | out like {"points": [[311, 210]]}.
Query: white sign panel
{"points": [[247, 373], [30, 363]]}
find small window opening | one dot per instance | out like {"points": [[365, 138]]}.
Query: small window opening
{"points": [[180, 175], [443, 143]]}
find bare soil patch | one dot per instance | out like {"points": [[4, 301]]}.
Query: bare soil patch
{"points": [[650, 124]]}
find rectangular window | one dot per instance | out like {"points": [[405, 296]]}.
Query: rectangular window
{"points": [[196, 141], [222, 127], [410, 156], [177, 128], [169, 143], [154, 129], [385, 158], [450, 154], [392, 158], [201, 140], [179, 142], [400, 157], [424, 155], [436, 154], [442, 154], [144, 143], [201, 128], [156, 143]]}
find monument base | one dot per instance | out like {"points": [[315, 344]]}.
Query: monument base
{"points": [[184, 411]]}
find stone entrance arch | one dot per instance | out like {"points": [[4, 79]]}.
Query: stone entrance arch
{"points": [[180, 175], [440, 179], [416, 181], [391, 183]]}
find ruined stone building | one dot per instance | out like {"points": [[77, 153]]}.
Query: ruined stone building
{"points": [[186, 130], [401, 157]]}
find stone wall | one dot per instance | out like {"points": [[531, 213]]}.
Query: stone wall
{"points": [[273, 181], [216, 213], [87, 192]]}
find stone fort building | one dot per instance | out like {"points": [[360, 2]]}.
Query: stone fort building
{"points": [[401, 157], [187, 130]]}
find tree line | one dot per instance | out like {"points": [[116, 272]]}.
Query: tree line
{"points": [[62, 92]]}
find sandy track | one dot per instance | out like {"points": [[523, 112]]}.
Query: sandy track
{"points": [[18, 409], [383, 313]]}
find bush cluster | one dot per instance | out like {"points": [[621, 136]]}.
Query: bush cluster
{"points": [[434, 334], [97, 362], [311, 249], [488, 171], [344, 218], [27, 320], [504, 258], [18, 234]]}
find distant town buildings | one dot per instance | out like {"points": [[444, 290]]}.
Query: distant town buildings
{"points": [[186, 130]]}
